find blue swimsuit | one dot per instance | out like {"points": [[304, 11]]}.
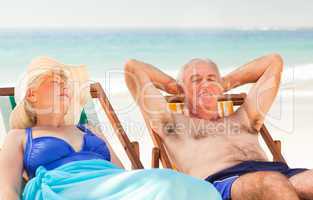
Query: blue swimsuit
{"points": [[52, 152]]}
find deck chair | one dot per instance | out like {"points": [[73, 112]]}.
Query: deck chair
{"points": [[7, 103], [226, 105]]}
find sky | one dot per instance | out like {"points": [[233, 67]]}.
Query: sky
{"points": [[157, 13]]}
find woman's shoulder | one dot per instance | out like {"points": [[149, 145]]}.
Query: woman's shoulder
{"points": [[17, 135], [16, 131]]}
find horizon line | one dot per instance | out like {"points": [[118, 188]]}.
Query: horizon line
{"points": [[83, 27]]}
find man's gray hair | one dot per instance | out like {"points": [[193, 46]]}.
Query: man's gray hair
{"points": [[193, 62]]}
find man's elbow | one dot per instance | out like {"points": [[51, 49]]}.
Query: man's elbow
{"points": [[129, 72], [130, 65], [277, 61]]}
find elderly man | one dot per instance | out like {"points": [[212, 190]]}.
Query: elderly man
{"points": [[223, 151]]}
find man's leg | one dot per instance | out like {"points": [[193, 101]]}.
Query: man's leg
{"points": [[303, 183], [263, 186]]}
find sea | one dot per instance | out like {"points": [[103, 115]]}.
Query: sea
{"points": [[105, 51]]}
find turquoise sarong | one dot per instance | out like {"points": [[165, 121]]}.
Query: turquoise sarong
{"points": [[100, 179]]}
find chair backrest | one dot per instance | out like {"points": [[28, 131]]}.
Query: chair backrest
{"points": [[7, 103], [131, 148], [226, 105]]}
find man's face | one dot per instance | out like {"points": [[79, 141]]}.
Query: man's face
{"points": [[202, 85]]}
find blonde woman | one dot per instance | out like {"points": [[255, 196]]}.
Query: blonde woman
{"points": [[65, 161]]}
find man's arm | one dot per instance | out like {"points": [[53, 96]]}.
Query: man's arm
{"points": [[141, 79], [159, 79], [265, 72], [250, 72]]}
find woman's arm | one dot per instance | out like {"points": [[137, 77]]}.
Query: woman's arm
{"points": [[250, 72], [11, 165]]}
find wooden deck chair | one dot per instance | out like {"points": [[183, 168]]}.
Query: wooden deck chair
{"points": [[225, 105], [7, 103]]}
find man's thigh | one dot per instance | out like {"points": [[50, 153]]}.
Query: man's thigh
{"points": [[263, 185], [303, 183]]}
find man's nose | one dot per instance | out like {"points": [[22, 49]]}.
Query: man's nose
{"points": [[211, 85]]}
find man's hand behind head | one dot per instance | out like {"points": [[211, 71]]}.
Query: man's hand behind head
{"points": [[173, 87]]}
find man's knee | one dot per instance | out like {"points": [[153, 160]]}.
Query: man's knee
{"points": [[263, 185]]}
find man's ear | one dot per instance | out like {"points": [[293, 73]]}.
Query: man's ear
{"points": [[31, 95]]}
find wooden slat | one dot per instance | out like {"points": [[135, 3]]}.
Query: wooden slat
{"points": [[9, 91], [278, 147], [165, 160], [98, 92], [225, 97], [232, 97], [155, 157], [135, 146], [174, 99], [277, 156], [238, 102]]}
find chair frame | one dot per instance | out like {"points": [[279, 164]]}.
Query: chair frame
{"points": [[97, 92], [159, 153]]}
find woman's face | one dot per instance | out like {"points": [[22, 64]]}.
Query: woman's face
{"points": [[52, 96]]}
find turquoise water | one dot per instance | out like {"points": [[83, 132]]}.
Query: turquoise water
{"points": [[103, 50]]}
